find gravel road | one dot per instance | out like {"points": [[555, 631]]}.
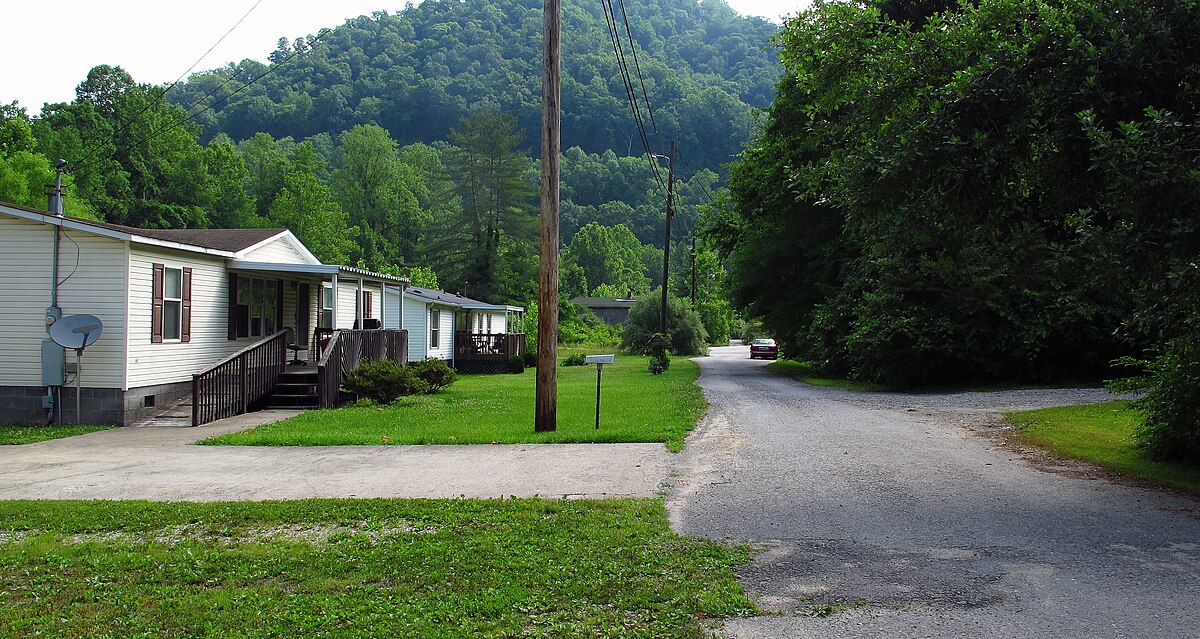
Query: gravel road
{"points": [[892, 515]]}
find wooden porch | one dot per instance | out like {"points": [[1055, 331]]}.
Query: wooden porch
{"points": [[247, 380], [486, 352]]}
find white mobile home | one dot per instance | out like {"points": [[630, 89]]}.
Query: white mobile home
{"points": [[173, 302], [474, 336]]}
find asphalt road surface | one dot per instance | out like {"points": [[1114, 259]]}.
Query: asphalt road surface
{"points": [[888, 515]]}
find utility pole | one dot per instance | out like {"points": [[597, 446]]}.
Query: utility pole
{"points": [[693, 271], [546, 391], [662, 311]]}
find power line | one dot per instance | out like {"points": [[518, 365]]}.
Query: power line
{"points": [[638, 67], [162, 96], [623, 68], [191, 116], [704, 189]]}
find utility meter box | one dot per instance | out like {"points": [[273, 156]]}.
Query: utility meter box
{"points": [[598, 359], [53, 361]]}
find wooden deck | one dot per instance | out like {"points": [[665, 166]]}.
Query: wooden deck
{"points": [[486, 352]]}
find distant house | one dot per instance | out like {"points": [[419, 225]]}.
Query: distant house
{"points": [[173, 303], [610, 310], [474, 336]]}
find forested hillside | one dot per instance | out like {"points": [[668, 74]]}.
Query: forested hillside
{"points": [[419, 71], [404, 143]]}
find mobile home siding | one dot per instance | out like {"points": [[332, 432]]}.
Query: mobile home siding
{"points": [[279, 250], [91, 270], [347, 293], [445, 349], [174, 361], [416, 316]]}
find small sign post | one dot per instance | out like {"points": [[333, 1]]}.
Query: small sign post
{"points": [[599, 361]]}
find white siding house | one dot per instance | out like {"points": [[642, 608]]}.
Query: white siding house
{"points": [[430, 323], [465, 329], [172, 303]]}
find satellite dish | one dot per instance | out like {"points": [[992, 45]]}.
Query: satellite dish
{"points": [[76, 331]]}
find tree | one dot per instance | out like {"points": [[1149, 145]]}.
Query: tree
{"points": [[267, 164], [685, 330], [380, 194], [609, 255], [25, 173], [228, 204], [135, 157], [308, 208], [494, 186], [943, 188]]}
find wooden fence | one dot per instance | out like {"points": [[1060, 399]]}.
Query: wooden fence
{"points": [[344, 352], [486, 352], [236, 382]]}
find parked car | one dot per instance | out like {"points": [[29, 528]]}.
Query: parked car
{"points": [[764, 348]]}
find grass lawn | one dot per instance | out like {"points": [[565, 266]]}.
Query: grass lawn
{"points": [[803, 371], [31, 434], [481, 409], [1101, 434], [359, 568]]}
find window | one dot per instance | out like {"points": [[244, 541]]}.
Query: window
{"points": [[326, 319], [435, 325], [256, 306], [171, 304], [489, 323]]}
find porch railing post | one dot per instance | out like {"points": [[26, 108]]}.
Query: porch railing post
{"points": [[243, 374], [195, 400]]}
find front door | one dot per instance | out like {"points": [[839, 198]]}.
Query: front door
{"points": [[303, 310]]}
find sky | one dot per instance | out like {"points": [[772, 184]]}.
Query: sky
{"points": [[48, 49]]}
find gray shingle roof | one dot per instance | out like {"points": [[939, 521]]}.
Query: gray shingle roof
{"points": [[230, 240]]}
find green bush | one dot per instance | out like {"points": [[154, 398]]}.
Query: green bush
{"points": [[384, 381], [1171, 403], [436, 372], [685, 330], [530, 360], [718, 318], [659, 363], [580, 325], [578, 359], [516, 364]]}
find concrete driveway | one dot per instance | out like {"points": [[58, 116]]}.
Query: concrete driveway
{"points": [[890, 515], [162, 463]]}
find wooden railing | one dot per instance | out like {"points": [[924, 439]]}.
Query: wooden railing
{"points": [[488, 346], [236, 382], [346, 349], [486, 352]]}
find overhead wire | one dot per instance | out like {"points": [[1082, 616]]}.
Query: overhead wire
{"points": [[163, 94], [610, 17], [84, 167], [638, 68], [192, 116]]}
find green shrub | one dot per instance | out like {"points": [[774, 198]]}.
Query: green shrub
{"points": [[581, 326], [530, 360], [659, 363], [578, 359], [516, 364], [384, 381], [1171, 403], [660, 358], [685, 330], [718, 318], [435, 372]]}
